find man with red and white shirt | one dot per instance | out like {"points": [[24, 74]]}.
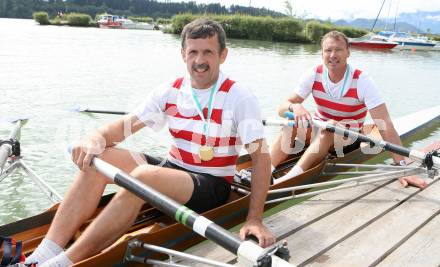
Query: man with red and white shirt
{"points": [[343, 94], [210, 117]]}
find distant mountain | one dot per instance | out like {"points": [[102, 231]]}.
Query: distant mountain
{"points": [[426, 21], [380, 25], [418, 22]]}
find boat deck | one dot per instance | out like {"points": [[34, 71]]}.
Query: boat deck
{"points": [[380, 224]]}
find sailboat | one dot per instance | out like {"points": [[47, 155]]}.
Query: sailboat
{"points": [[371, 40]]}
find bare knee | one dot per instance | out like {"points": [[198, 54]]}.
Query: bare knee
{"points": [[145, 173], [148, 174], [127, 199], [326, 137], [92, 177]]}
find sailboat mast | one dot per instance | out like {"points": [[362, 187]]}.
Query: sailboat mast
{"points": [[388, 15], [395, 15], [377, 17]]}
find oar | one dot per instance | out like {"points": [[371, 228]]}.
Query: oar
{"points": [[248, 252], [79, 108], [426, 158], [7, 145], [87, 110]]}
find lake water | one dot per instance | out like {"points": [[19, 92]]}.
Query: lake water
{"points": [[46, 70]]}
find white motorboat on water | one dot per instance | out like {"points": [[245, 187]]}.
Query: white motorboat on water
{"points": [[407, 41], [109, 21]]}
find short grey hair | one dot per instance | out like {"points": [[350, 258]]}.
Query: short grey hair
{"points": [[204, 28]]}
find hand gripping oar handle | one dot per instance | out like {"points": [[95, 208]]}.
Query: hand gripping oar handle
{"points": [[410, 153], [245, 250]]}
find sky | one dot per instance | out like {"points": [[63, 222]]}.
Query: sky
{"points": [[338, 9]]}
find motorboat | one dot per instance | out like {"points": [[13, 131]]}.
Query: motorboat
{"points": [[109, 21], [372, 41], [407, 41]]}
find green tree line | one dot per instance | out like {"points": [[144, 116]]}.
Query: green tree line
{"points": [[150, 8]]}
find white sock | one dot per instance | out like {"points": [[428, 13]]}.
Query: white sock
{"points": [[46, 250], [295, 171], [59, 261]]}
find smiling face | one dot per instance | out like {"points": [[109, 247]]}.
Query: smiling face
{"points": [[203, 59], [335, 53]]}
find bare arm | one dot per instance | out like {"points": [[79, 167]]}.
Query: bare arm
{"points": [[109, 135], [284, 106], [118, 130], [388, 132], [260, 181], [294, 104]]}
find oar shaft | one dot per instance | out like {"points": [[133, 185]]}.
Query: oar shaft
{"points": [[105, 111], [412, 154], [245, 250], [170, 207], [6, 149], [363, 138]]}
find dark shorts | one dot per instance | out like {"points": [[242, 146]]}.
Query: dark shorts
{"points": [[348, 148], [209, 191]]}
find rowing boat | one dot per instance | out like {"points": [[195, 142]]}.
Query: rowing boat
{"points": [[153, 227]]}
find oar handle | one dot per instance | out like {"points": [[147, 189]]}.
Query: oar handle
{"points": [[271, 122]]}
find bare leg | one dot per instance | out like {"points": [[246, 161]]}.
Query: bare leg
{"points": [[317, 150], [121, 212], [285, 144], [82, 198], [281, 147]]}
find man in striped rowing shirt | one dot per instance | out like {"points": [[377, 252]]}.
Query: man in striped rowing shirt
{"points": [[209, 117], [342, 94]]}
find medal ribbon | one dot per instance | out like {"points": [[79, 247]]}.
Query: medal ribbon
{"points": [[326, 82], [207, 120]]}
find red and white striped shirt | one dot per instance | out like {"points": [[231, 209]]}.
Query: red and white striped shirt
{"points": [[350, 109], [235, 120]]}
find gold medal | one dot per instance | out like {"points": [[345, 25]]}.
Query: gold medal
{"points": [[206, 153]]}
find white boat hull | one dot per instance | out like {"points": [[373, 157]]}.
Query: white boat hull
{"points": [[406, 46]]}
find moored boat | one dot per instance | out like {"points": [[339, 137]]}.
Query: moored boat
{"points": [[154, 228], [372, 41], [408, 42], [108, 21]]}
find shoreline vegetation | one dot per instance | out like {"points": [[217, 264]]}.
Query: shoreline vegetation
{"points": [[242, 22], [279, 29]]}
